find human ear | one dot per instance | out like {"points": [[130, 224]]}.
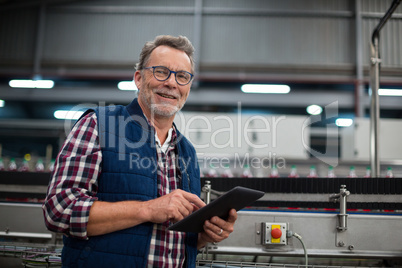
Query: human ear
{"points": [[138, 80]]}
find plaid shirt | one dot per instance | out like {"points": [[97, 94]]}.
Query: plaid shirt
{"points": [[74, 185], [167, 247]]}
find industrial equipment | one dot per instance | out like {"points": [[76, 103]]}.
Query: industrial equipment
{"points": [[348, 218]]}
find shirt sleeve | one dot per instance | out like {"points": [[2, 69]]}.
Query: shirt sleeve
{"points": [[73, 185]]}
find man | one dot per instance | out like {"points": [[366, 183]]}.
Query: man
{"points": [[125, 174]]}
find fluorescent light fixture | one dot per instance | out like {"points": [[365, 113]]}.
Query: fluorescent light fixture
{"points": [[2, 103], [389, 92], [264, 88], [314, 109], [67, 114], [127, 85], [31, 83], [344, 122]]}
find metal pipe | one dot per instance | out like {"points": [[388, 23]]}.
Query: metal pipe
{"points": [[197, 39], [342, 216], [374, 109], [39, 41], [343, 223], [374, 85], [384, 19], [359, 88], [207, 190], [7, 233]]}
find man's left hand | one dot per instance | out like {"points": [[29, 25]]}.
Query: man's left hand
{"points": [[217, 229]]}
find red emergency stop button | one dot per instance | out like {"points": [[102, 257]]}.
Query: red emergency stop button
{"points": [[276, 233]]}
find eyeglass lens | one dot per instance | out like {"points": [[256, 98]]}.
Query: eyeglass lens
{"points": [[162, 73]]}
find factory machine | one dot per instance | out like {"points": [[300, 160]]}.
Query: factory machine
{"points": [[298, 220], [346, 218], [24, 238], [352, 218]]}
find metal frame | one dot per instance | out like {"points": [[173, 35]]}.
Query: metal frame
{"points": [[367, 236]]}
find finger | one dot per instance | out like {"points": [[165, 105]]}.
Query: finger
{"points": [[178, 199], [220, 232], [185, 206], [217, 230], [215, 233], [185, 209], [218, 222], [192, 198], [180, 211], [195, 208], [226, 225], [232, 216], [216, 237]]}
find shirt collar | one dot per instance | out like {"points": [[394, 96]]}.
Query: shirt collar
{"points": [[170, 140]]}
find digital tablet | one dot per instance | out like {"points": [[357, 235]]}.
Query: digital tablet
{"points": [[237, 198]]}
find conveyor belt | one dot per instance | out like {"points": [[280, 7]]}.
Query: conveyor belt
{"points": [[20, 186], [31, 185], [377, 187], [24, 178]]}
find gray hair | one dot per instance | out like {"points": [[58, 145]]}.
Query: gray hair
{"points": [[181, 43]]}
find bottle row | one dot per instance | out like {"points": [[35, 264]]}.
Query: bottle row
{"points": [[211, 172], [274, 173], [26, 166]]}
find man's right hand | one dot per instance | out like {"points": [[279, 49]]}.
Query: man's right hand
{"points": [[107, 217], [174, 206]]}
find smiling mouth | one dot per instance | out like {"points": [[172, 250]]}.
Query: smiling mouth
{"points": [[166, 96]]}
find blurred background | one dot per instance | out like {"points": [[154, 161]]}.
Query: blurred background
{"points": [[317, 51]]}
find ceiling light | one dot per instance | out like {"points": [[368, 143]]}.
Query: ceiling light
{"points": [[344, 122], [2, 103], [16, 83], [389, 92], [314, 109], [127, 85], [67, 114], [263, 88]]}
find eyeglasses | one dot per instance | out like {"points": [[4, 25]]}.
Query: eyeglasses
{"points": [[162, 73]]}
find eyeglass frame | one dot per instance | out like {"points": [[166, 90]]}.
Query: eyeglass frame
{"points": [[170, 72]]}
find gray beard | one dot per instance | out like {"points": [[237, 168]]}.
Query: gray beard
{"points": [[160, 109]]}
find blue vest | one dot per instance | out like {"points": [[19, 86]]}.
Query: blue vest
{"points": [[129, 172]]}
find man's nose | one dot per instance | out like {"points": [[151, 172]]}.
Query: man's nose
{"points": [[171, 81]]}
